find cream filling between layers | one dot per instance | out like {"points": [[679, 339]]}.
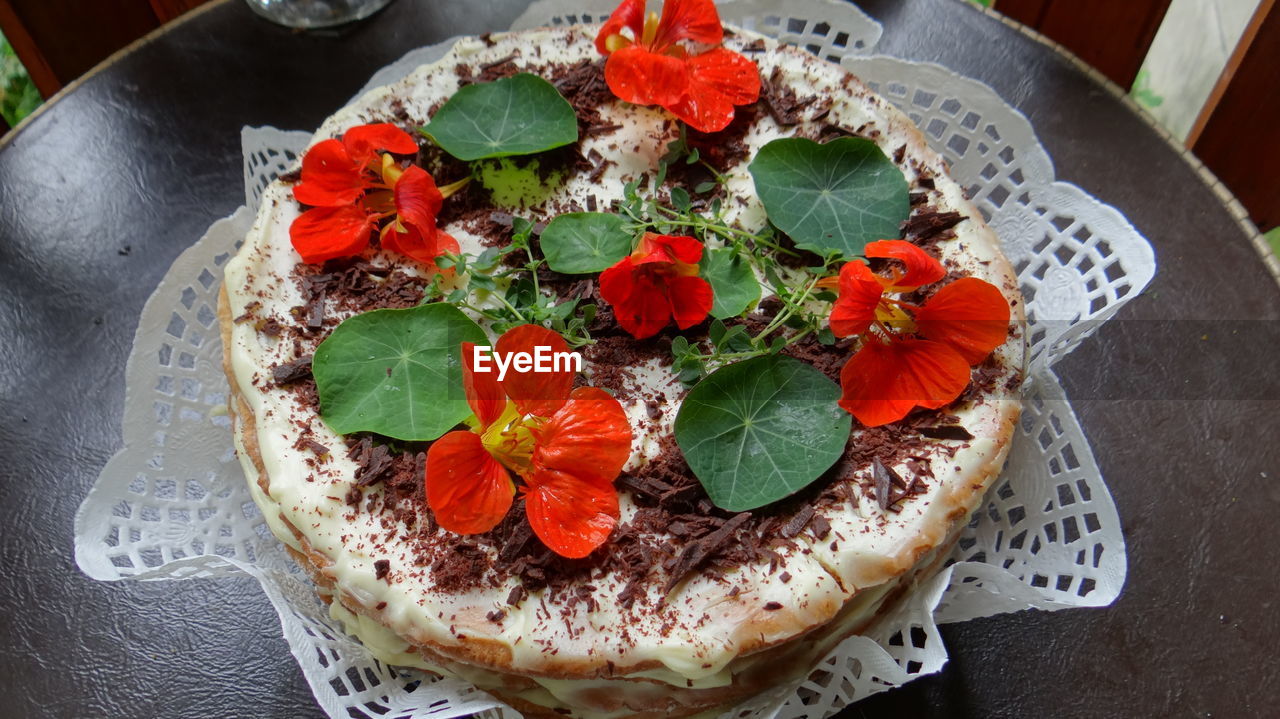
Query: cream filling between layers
{"points": [[701, 628], [392, 649]]}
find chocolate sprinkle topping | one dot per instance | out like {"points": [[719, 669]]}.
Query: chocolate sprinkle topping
{"points": [[930, 223], [292, 371], [820, 527], [781, 101], [948, 431], [695, 552], [382, 568], [374, 461], [881, 475], [797, 523], [316, 448]]}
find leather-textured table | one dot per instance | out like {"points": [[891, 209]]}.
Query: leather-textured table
{"points": [[102, 190]]}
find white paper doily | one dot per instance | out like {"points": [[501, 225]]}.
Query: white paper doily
{"points": [[830, 29], [173, 503]]}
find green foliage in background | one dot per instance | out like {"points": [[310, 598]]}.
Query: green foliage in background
{"points": [[18, 95], [1273, 237], [1142, 92], [983, 3]]}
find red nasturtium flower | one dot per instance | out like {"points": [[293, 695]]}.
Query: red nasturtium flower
{"points": [[655, 66], [566, 445], [656, 283], [894, 372], [351, 187]]}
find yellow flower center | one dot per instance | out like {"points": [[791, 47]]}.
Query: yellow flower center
{"points": [[650, 30], [616, 42], [391, 172], [895, 316], [510, 439]]}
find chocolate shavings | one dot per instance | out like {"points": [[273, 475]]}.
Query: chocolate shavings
{"points": [[292, 371], [695, 552], [946, 431], [930, 224], [374, 461]]}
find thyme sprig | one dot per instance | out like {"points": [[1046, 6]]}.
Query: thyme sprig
{"points": [[804, 303], [508, 294], [501, 284]]}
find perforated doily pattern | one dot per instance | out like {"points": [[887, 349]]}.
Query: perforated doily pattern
{"points": [[1077, 259], [173, 503], [175, 490], [827, 28], [275, 152], [343, 674]]}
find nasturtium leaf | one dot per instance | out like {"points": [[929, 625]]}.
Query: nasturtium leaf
{"points": [[833, 197], [396, 372], [580, 243], [759, 430], [733, 284], [517, 115]]}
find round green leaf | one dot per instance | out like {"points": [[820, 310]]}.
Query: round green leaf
{"points": [[734, 284], [838, 196], [759, 430], [579, 243], [396, 372], [518, 115]]}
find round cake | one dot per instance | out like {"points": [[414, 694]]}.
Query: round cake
{"points": [[780, 427]]}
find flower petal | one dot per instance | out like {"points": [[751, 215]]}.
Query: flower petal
{"points": [[571, 514], [629, 14], [330, 178], [882, 382], [424, 247], [718, 80], [467, 489], [690, 298], [446, 242], [969, 314], [645, 78], [676, 248], [484, 394], [589, 436], [693, 20], [860, 293], [536, 393], [418, 200], [922, 269], [364, 141], [325, 233], [648, 249], [703, 111], [639, 304], [727, 73]]}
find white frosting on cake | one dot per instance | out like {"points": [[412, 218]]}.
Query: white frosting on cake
{"points": [[692, 638]]}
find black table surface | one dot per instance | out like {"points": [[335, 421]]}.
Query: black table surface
{"points": [[1179, 396]]}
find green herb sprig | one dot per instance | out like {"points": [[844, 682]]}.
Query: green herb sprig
{"points": [[511, 296], [803, 311]]}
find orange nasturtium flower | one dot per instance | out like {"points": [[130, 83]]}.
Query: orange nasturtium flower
{"points": [[566, 446], [665, 62], [656, 283], [351, 187], [894, 371]]}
